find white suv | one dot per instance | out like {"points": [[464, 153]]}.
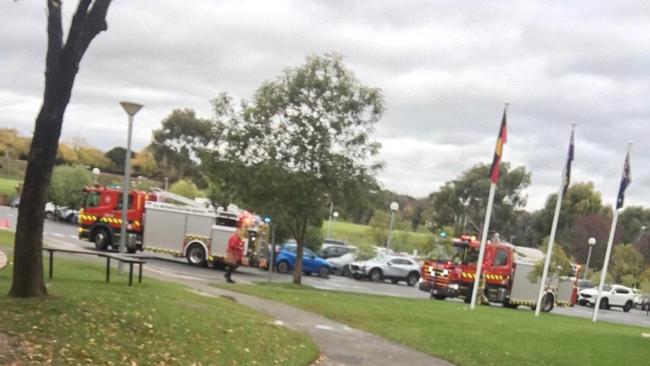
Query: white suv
{"points": [[614, 295]]}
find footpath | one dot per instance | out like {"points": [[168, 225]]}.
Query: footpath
{"points": [[341, 345]]}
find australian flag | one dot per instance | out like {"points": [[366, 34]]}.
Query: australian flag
{"points": [[567, 168], [625, 181]]}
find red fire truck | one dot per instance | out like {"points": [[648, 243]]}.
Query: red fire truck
{"points": [[189, 230], [506, 270], [452, 277]]}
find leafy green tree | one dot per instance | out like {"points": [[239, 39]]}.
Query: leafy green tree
{"points": [[93, 158], [176, 143], [595, 225], [144, 163], [116, 155], [66, 155], [186, 188], [626, 261], [66, 185], [636, 223], [461, 203], [314, 238], [303, 136], [581, 199], [378, 228]]}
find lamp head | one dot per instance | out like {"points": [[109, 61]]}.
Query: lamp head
{"points": [[130, 108], [394, 206], [591, 241]]}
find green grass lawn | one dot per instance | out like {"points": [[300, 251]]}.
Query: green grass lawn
{"points": [[87, 321], [358, 234], [8, 187], [485, 336]]}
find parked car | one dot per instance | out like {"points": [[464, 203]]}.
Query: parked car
{"points": [[285, 261], [393, 268], [614, 295], [639, 297], [61, 213], [330, 250], [583, 285], [341, 265]]}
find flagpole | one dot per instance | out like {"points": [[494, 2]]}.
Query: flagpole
{"points": [[551, 239], [610, 242], [486, 226]]}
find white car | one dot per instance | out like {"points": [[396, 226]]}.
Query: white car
{"points": [[393, 268], [614, 295], [340, 265]]}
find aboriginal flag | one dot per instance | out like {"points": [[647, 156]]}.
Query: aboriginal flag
{"points": [[567, 168], [498, 151], [625, 181]]}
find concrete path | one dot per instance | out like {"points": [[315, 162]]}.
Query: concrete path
{"points": [[341, 344]]}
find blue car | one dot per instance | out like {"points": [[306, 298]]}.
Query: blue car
{"points": [[285, 261]]}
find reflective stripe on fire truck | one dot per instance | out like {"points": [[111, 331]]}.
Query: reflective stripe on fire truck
{"points": [[163, 251], [468, 275], [88, 217], [495, 277]]}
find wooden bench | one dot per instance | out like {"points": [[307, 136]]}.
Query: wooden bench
{"points": [[108, 256]]}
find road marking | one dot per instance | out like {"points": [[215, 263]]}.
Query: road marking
{"points": [[59, 235], [323, 327], [278, 322], [73, 236]]}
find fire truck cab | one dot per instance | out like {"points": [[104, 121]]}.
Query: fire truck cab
{"points": [[100, 218]]}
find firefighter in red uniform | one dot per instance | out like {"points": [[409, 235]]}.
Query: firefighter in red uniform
{"points": [[235, 252]]}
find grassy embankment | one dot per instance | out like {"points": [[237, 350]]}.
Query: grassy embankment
{"points": [[485, 336], [87, 321], [359, 234]]}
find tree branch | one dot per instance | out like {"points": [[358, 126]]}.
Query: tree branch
{"points": [[54, 37]]}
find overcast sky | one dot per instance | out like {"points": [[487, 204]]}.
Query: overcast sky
{"points": [[445, 67]]}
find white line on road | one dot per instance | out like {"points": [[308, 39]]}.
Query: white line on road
{"points": [[323, 327], [73, 236], [59, 235]]}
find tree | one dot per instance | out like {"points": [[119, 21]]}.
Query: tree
{"points": [[93, 158], [626, 261], [62, 65], [66, 155], [560, 264], [144, 163], [595, 225], [302, 137], [116, 155], [581, 199], [461, 203], [67, 184], [634, 219], [186, 188], [176, 143]]}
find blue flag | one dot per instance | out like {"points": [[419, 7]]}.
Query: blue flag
{"points": [[625, 181]]}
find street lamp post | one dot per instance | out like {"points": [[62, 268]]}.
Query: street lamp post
{"points": [[131, 109], [591, 242], [394, 206], [96, 173]]}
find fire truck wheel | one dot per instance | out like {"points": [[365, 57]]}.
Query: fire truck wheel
{"points": [[375, 275], [604, 303], [102, 239], [547, 303], [283, 267], [412, 279], [196, 255]]}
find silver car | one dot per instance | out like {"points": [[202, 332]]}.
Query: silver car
{"points": [[393, 268]]}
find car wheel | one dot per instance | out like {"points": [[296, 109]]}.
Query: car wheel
{"points": [[628, 306], [412, 279], [283, 267], [604, 303], [196, 255], [102, 239], [394, 281], [346, 271], [49, 215], [375, 275], [356, 276], [547, 302], [324, 272]]}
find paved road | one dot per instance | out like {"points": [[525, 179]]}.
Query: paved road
{"points": [[57, 232]]}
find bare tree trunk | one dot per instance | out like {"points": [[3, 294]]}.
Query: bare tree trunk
{"points": [[62, 64], [301, 230]]}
